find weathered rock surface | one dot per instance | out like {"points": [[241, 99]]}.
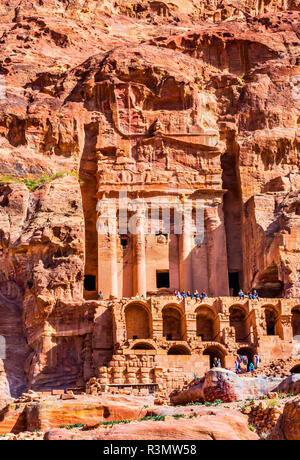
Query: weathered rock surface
{"points": [[219, 424], [227, 386], [48, 413], [288, 426], [239, 57], [290, 385]]}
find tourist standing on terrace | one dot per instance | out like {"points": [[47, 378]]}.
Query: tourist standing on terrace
{"points": [[177, 294], [237, 367], [203, 294], [241, 294], [183, 294], [257, 361], [251, 367]]}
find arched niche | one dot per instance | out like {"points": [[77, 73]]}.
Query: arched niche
{"points": [[237, 320], [215, 352], [296, 323], [205, 318], [138, 321], [173, 323], [143, 346], [272, 320], [179, 350]]}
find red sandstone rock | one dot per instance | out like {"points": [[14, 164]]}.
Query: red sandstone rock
{"points": [[52, 413], [223, 385], [288, 427], [220, 426]]}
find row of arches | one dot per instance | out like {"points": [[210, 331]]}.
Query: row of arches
{"points": [[177, 349], [181, 349], [139, 322], [213, 351]]}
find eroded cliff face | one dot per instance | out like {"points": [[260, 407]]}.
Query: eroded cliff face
{"points": [[229, 66]]}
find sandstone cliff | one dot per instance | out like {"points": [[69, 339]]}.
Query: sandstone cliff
{"points": [[233, 64]]}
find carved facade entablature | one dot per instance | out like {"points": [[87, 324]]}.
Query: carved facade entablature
{"points": [[160, 164]]}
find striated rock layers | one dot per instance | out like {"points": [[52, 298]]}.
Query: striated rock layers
{"points": [[80, 81]]}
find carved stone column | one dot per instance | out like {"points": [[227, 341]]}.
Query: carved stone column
{"points": [[140, 253], [185, 254], [112, 235], [216, 253], [107, 238]]}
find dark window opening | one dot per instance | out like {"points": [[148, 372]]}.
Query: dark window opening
{"points": [[234, 283], [270, 329], [90, 282], [169, 336], [162, 279], [124, 242]]}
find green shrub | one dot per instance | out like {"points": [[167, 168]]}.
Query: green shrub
{"points": [[76, 425], [178, 416], [34, 184]]}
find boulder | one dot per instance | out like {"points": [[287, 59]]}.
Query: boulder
{"points": [[226, 386], [288, 426], [290, 385]]}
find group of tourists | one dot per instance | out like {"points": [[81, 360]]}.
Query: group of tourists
{"points": [[240, 360], [253, 295], [249, 367], [183, 295]]}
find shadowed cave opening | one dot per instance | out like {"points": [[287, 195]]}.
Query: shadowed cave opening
{"points": [[268, 284]]}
